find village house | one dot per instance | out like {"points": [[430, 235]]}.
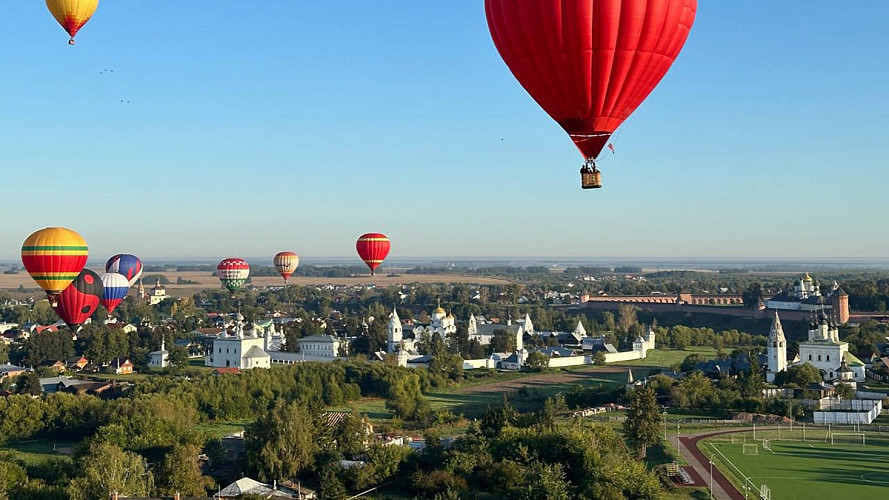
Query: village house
{"points": [[121, 366]]}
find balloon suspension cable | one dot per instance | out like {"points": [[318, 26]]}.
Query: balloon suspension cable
{"points": [[590, 176]]}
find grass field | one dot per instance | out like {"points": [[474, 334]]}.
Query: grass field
{"points": [[222, 429], [38, 451], [527, 391], [806, 469], [665, 358], [206, 281]]}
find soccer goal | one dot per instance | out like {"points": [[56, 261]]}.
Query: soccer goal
{"points": [[765, 493], [751, 449], [847, 437], [766, 445]]}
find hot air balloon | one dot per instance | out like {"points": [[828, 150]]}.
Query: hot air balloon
{"points": [[286, 264], [589, 63], [233, 273], [80, 300], [126, 264], [114, 289], [373, 249], [72, 14], [53, 257]]}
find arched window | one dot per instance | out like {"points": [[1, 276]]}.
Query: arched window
{"points": [[819, 357]]}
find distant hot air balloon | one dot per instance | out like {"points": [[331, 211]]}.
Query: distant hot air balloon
{"points": [[80, 300], [54, 257], [373, 249], [233, 273], [589, 63], [126, 264], [114, 289], [286, 264], [72, 14]]}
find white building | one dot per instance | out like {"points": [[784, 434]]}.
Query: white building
{"points": [[395, 336], [777, 350], [161, 358], [823, 349], [238, 350], [157, 294], [483, 332], [321, 346]]}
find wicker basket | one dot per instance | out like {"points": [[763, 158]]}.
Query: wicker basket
{"points": [[590, 179]]}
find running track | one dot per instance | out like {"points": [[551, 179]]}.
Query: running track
{"points": [[722, 487]]}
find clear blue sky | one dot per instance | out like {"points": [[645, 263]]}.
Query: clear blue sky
{"points": [[262, 125]]}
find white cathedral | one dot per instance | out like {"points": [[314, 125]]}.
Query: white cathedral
{"points": [[442, 323], [823, 349], [243, 348]]}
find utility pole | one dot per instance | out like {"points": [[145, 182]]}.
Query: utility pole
{"points": [[711, 478]]}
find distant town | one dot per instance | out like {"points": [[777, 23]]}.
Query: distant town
{"points": [[398, 378]]}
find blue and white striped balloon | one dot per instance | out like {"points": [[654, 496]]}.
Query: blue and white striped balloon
{"points": [[115, 290]]}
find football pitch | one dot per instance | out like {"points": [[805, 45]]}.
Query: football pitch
{"points": [[797, 469]]}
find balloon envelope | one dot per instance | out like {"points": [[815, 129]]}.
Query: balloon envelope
{"points": [[81, 299], [233, 273], [286, 264], [54, 257], [126, 264], [589, 63], [72, 14], [114, 289], [373, 249]]}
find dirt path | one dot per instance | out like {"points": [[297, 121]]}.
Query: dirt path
{"points": [[542, 380]]}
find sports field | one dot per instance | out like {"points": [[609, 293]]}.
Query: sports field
{"points": [[811, 469]]}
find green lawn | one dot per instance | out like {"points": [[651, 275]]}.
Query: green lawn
{"points": [[665, 358], [807, 469], [461, 400], [222, 429], [38, 451]]}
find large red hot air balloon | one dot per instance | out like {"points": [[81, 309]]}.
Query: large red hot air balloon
{"points": [[373, 249], [81, 299], [589, 63]]}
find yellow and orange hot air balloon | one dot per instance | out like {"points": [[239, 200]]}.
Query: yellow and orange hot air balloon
{"points": [[54, 257], [286, 264], [72, 14]]}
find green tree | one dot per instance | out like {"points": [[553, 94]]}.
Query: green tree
{"points": [[599, 358], [688, 364], [503, 341], [4, 353], [178, 356], [845, 391], [180, 472], [28, 383], [537, 361], [405, 398], [608, 323], [641, 425], [799, 375], [351, 435], [105, 469], [282, 442], [626, 317], [48, 346]]}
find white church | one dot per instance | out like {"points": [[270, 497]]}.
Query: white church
{"points": [[442, 323], [823, 349], [243, 349]]}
